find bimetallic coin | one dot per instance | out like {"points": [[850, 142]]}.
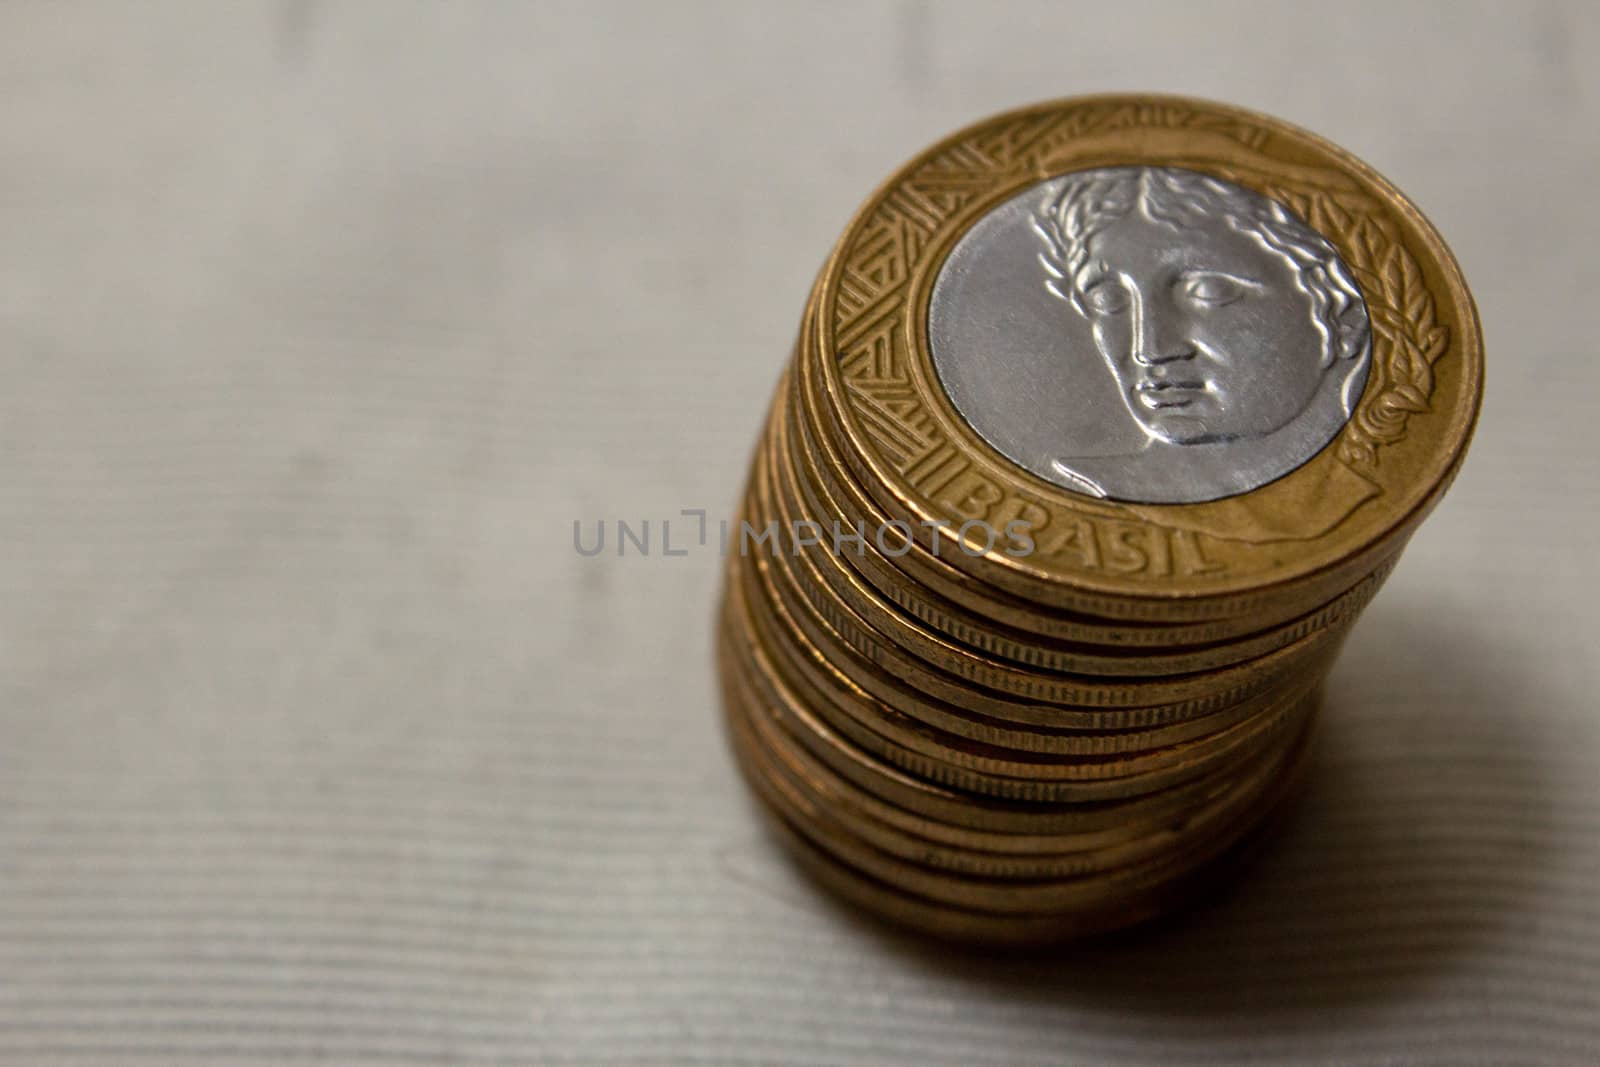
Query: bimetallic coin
{"points": [[841, 670], [869, 662], [1037, 697], [921, 915], [910, 447], [996, 895], [767, 700], [836, 699], [1083, 884], [1093, 827], [884, 834], [977, 767]]}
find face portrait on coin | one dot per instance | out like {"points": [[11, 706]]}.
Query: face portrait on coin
{"points": [[1236, 340]]}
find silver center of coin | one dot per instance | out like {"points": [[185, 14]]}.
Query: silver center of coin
{"points": [[1149, 334]]}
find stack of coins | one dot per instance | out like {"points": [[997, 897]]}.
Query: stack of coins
{"points": [[1106, 420]]}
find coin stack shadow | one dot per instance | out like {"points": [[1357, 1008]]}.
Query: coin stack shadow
{"points": [[969, 764]]}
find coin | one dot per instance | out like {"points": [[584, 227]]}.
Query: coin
{"points": [[924, 462], [1085, 885], [1036, 697], [835, 838], [931, 807], [926, 917], [842, 670], [835, 699], [972, 766], [1032, 863]]}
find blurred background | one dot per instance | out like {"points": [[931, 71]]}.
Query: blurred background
{"points": [[322, 322]]}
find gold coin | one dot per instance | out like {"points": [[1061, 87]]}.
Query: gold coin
{"points": [[832, 694], [1327, 520], [997, 895], [1093, 736], [928, 807], [1034, 863], [1153, 854], [843, 669], [978, 825], [1033, 697], [921, 915], [974, 770], [886, 675]]}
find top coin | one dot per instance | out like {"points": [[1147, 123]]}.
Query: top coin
{"points": [[1195, 351]]}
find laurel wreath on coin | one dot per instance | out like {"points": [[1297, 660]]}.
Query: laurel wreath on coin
{"points": [[1407, 338]]}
